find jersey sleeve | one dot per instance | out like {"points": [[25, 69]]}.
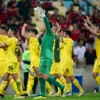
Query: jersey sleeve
{"points": [[8, 42], [3, 38], [48, 28]]}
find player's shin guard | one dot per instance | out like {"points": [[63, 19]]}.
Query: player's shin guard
{"points": [[48, 87], [53, 81], [19, 86], [98, 80], [30, 85], [76, 83], [14, 86], [42, 87], [3, 87], [69, 87]]}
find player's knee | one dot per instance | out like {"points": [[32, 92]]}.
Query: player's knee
{"points": [[4, 78], [57, 75], [95, 75], [72, 78]]}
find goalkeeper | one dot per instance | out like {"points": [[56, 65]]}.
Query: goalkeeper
{"points": [[46, 57]]}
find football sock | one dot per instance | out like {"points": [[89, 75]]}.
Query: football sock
{"points": [[19, 86], [76, 83], [63, 81], [48, 87], [69, 87], [42, 87], [54, 82], [3, 86], [14, 86], [30, 85], [59, 90]]}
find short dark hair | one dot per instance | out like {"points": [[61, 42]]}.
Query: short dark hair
{"points": [[4, 27], [14, 30], [68, 32], [80, 40], [34, 30], [54, 25]]}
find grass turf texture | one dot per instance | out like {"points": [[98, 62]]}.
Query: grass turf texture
{"points": [[87, 96]]}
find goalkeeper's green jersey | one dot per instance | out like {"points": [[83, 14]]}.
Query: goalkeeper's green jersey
{"points": [[47, 42]]}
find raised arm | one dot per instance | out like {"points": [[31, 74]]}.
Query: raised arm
{"points": [[24, 34], [19, 53], [90, 23], [93, 31], [47, 24], [41, 13]]}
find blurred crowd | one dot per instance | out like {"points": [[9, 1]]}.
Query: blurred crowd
{"points": [[16, 12]]}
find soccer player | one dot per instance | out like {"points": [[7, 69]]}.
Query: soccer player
{"points": [[11, 60], [34, 48], [96, 31], [46, 57], [4, 38], [68, 62], [56, 68]]}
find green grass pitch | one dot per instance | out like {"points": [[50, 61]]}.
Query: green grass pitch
{"points": [[87, 96]]}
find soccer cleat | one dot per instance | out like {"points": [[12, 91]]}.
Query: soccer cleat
{"points": [[81, 94], [57, 95], [64, 92], [39, 98], [68, 94], [51, 93], [35, 95], [18, 97]]}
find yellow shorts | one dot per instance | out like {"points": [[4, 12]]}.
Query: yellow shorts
{"points": [[2, 67], [56, 68], [18, 71], [68, 68], [11, 68], [96, 68]]}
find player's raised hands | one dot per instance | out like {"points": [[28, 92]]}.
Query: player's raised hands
{"points": [[40, 11], [37, 9]]}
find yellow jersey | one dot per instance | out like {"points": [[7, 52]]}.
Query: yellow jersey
{"points": [[3, 39], [68, 48], [97, 46], [34, 48], [12, 50]]}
